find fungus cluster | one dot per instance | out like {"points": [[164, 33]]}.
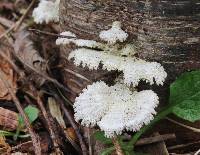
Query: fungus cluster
{"points": [[114, 108], [47, 11]]}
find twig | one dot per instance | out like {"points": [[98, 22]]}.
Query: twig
{"points": [[73, 124], [7, 31], [159, 138], [19, 22], [46, 77], [197, 153], [183, 125], [16, 26], [78, 75], [20, 145], [50, 33], [34, 136], [44, 113], [19, 71], [180, 146], [117, 146]]}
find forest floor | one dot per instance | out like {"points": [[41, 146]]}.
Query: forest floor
{"points": [[31, 84]]}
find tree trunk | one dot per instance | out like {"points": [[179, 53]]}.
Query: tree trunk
{"points": [[166, 31]]}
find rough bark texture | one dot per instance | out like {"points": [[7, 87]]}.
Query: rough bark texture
{"points": [[167, 31], [164, 31]]}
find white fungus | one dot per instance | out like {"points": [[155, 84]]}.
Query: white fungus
{"points": [[151, 72], [74, 40], [47, 11], [133, 69], [115, 108], [114, 34]]}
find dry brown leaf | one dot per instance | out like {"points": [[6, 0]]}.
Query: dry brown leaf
{"points": [[71, 133], [10, 76], [8, 119], [4, 147], [7, 69], [2, 30], [55, 111], [24, 51], [6, 22]]}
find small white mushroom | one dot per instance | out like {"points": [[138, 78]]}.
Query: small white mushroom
{"points": [[115, 108], [47, 11], [114, 34]]}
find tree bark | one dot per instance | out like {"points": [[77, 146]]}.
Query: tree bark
{"points": [[166, 31]]}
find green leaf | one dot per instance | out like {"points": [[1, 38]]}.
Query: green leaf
{"points": [[185, 96], [188, 110], [32, 114], [186, 87], [99, 135], [6, 133]]}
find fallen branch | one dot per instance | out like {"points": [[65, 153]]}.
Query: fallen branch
{"points": [[34, 136]]}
